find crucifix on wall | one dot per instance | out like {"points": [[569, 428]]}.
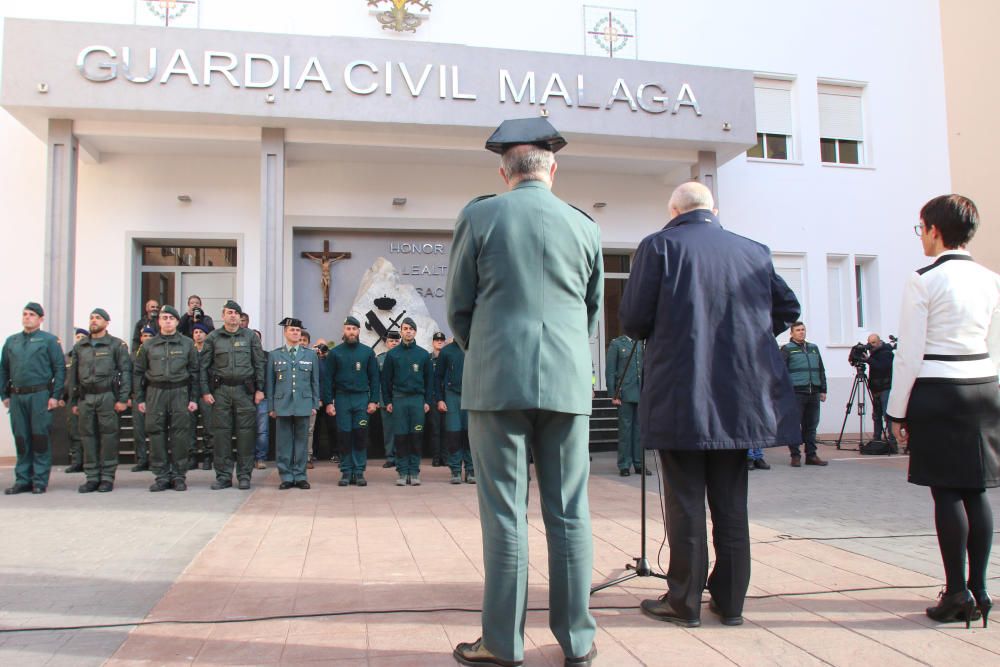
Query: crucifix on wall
{"points": [[326, 259]]}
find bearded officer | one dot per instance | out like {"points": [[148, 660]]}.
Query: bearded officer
{"points": [[622, 373], [407, 385], [232, 382], [100, 382], [525, 285], [351, 393], [166, 374], [32, 375]]}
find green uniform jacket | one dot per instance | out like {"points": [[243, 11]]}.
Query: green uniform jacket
{"points": [[100, 362], [351, 368], [292, 385], [448, 371], [407, 370], [167, 359], [525, 285], [232, 356], [618, 354], [29, 360], [805, 366]]}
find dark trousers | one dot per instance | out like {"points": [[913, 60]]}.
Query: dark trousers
{"points": [[809, 419], [880, 399], [687, 477]]}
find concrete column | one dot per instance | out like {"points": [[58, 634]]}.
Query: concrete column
{"points": [[272, 233], [704, 172], [60, 229]]}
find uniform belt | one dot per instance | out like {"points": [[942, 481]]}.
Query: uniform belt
{"points": [[32, 389], [957, 357], [95, 389], [167, 385], [233, 383]]}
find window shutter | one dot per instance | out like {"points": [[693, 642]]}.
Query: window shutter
{"points": [[840, 116], [774, 110]]}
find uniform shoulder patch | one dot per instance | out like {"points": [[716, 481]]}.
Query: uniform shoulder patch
{"points": [[585, 214]]}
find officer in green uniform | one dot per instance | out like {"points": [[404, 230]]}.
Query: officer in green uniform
{"points": [[388, 434], [139, 441], [73, 420], [351, 392], [99, 385], [166, 377], [201, 450], [435, 419], [525, 286], [232, 382], [622, 373], [32, 375], [407, 387], [448, 394], [293, 396]]}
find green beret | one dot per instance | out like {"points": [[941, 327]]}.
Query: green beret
{"points": [[101, 312], [409, 320], [36, 308], [170, 310], [232, 305], [352, 321]]}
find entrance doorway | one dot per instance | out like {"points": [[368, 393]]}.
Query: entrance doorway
{"points": [[616, 271], [172, 273]]}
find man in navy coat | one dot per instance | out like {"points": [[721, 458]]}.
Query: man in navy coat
{"points": [[709, 304]]}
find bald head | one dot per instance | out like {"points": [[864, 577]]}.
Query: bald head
{"points": [[689, 197]]}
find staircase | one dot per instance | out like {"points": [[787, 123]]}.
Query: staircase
{"points": [[603, 424]]}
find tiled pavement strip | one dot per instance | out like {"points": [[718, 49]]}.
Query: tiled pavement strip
{"points": [[69, 559]]}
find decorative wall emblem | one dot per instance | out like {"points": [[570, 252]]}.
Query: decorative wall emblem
{"points": [[399, 17], [167, 13], [610, 32]]}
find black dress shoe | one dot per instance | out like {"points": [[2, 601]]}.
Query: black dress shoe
{"points": [[243, 484], [303, 484], [624, 472], [88, 487], [660, 609], [474, 653], [74, 467], [726, 620], [284, 486], [159, 485], [638, 471], [220, 484], [140, 467], [179, 485], [354, 480], [958, 606], [16, 489], [388, 464], [761, 464], [105, 486], [37, 490], [583, 661]]}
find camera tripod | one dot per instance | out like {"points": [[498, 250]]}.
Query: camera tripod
{"points": [[860, 389], [640, 568]]}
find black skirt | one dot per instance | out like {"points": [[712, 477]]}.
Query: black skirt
{"points": [[954, 434]]}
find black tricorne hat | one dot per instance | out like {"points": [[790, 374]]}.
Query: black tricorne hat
{"points": [[518, 131], [291, 322]]}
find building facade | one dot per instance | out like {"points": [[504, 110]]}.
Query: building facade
{"points": [[224, 157]]}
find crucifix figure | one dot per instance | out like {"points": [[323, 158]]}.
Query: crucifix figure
{"points": [[325, 259]]}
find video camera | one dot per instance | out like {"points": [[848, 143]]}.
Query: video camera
{"points": [[858, 355], [197, 314]]}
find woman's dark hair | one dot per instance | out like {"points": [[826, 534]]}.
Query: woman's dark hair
{"points": [[956, 218]]}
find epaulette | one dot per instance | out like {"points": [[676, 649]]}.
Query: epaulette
{"points": [[586, 215]]}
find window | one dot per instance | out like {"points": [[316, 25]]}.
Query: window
{"points": [[773, 103], [838, 299], [792, 268], [841, 124], [866, 293]]}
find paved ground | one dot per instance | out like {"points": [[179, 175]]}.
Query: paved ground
{"points": [[211, 556]]}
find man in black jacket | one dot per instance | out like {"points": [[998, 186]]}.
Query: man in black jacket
{"points": [[880, 382]]}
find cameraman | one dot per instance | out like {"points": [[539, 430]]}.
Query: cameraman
{"points": [[880, 381], [194, 315]]}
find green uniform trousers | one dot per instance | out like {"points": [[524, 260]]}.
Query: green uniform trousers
{"points": [[31, 422], [234, 410], [291, 447], [168, 424], [388, 436], [139, 441], [456, 434], [408, 424], [352, 430], [204, 414], [73, 435], [500, 442], [99, 435], [629, 445], [433, 426]]}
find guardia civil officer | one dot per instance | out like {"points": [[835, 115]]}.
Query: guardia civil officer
{"points": [[32, 375], [435, 419], [351, 393], [408, 385], [72, 419], [525, 286], [392, 339], [166, 376], [139, 441], [232, 382], [100, 382], [293, 396], [448, 395], [624, 369], [203, 450]]}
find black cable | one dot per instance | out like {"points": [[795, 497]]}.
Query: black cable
{"points": [[798, 538]]}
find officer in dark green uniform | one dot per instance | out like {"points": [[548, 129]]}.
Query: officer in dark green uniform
{"points": [[435, 420], [232, 382], [166, 377], [139, 441], [73, 420], [388, 433], [99, 385], [351, 392], [32, 375], [448, 394], [623, 369], [407, 388], [203, 450]]}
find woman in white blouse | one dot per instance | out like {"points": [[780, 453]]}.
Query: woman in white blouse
{"points": [[945, 403]]}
